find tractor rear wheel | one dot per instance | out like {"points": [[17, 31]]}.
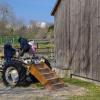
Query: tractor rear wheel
{"points": [[14, 74]]}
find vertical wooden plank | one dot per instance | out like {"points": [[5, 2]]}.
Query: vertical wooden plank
{"points": [[98, 40], [59, 35], [62, 34], [72, 60], [97, 31], [94, 21], [82, 4], [90, 72], [85, 29], [75, 35], [66, 33]]}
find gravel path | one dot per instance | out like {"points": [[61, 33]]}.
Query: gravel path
{"points": [[31, 93]]}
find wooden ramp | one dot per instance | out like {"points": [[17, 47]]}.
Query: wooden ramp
{"points": [[46, 76]]}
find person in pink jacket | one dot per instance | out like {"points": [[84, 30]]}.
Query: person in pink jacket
{"points": [[32, 47]]}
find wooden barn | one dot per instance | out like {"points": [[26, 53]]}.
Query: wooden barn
{"points": [[77, 37]]}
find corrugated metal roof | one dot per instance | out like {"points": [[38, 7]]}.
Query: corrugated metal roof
{"points": [[55, 7]]}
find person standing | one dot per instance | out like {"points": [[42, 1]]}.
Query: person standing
{"points": [[24, 46], [9, 52]]}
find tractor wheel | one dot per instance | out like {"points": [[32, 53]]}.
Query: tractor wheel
{"points": [[14, 74]]}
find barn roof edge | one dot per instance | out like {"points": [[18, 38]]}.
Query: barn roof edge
{"points": [[55, 7]]}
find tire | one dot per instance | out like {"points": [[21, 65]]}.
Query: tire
{"points": [[21, 71]]}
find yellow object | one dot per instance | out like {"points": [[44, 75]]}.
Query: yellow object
{"points": [[45, 76]]}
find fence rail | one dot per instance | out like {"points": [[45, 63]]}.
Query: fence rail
{"points": [[46, 49], [12, 39]]}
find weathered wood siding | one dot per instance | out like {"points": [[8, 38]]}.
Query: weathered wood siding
{"points": [[77, 37], [62, 34]]}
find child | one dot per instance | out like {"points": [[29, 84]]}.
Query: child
{"points": [[24, 46], [9, 52], [32, 47]]}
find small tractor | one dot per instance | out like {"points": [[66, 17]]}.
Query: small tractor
{"points": [[36, 68]]}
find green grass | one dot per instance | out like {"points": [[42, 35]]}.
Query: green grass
{"points": [[93, 90], [37, 85]]}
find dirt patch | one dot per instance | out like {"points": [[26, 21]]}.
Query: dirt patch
{"points": [[31, 93]]}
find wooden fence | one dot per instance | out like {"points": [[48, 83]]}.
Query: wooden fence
{"points": [[11, 39], [44, 47]]}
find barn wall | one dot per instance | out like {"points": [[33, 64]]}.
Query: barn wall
{"points": [[77, 37], [62, 34]]}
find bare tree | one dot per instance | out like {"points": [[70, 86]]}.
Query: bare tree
{"points": [[33, 26], [6, 16]]}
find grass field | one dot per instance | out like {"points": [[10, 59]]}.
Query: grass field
{"points": [[93, 90]]}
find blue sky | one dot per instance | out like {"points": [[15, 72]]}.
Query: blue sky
{"points": [[32, 9]]}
